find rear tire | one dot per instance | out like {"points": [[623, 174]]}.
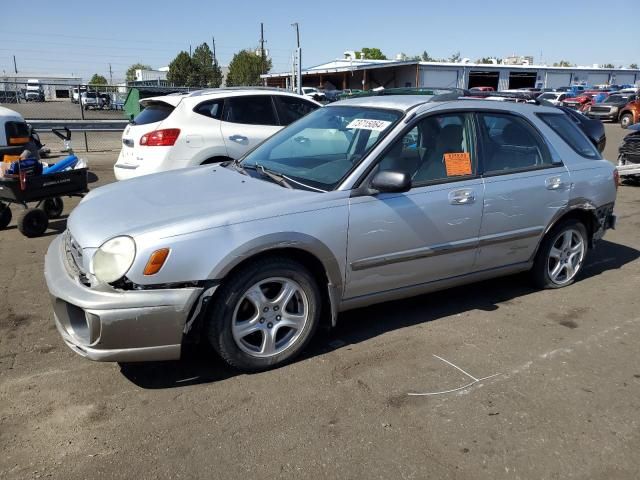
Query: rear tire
{"points": [[265, 314], [561, 255], [626, 120], [33, 222], [5, 216]]}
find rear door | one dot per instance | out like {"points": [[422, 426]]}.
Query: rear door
{"points": [[247, 121], [524, 188]]}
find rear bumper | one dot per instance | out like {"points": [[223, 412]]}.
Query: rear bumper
{"points": [[111, 325]]}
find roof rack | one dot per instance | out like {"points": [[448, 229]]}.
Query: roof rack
{"points": [[527, 97], [438, 93], [206, 91]]}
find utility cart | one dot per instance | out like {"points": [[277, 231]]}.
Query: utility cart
{"points": [[45, 191]]}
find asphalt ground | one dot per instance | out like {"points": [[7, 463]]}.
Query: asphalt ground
{"points": [[564, 402]]}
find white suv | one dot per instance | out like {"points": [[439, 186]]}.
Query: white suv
{"points": [[207, 126]]}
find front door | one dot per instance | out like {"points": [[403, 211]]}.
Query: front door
{"points": [[430, 232]]}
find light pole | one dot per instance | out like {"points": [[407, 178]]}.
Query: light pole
{"points": [[299, 72]]}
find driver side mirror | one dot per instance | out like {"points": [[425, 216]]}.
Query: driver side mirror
{"points": [[389, 181]]}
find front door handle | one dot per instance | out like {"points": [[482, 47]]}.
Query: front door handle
{"points": [[554, 183], [238, 138], [462, 197]]}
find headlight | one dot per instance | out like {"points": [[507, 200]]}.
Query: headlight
{"points": [[114, 258]]}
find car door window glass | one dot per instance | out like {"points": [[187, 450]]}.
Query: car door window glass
{"points": [[510, 143], [250, 110], [212, 109], [291, 109], [438, 148]]}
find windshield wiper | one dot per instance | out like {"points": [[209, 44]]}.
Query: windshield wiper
{"points": [[235, 164], [279, 179]]}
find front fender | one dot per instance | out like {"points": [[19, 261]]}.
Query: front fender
{"points": [[277, 241]]}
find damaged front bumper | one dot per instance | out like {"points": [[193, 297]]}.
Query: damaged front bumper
{"points": [[113, 325]]}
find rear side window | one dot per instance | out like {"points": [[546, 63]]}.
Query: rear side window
{"points": [[291, 109], [153, 112], [212, 109], [250, 110], [510, 143], [571, 134]]}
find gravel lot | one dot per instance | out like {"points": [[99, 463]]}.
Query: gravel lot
{"points": [[566, 402]]}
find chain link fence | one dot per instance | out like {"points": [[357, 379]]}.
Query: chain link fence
{"points": [[95, 114]]}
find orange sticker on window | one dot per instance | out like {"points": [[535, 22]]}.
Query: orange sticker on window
{"points": [[457, 164]]}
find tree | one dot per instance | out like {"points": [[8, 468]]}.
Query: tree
{"points": [[245, 69], [455, 58], [131, 71], [487, 60], [563, 63], [181, 70], [633, 65], [97, 80], [371, 54], [206, 71], [608, 65]]}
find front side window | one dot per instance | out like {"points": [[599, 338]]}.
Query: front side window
{"points": [[570, 133], [321, 148], [250, 110], [437, 148], [510, 143]]}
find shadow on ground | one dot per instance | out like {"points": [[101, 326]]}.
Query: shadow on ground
{"points": [[201, 365]]}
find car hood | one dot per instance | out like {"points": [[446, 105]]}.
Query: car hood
{"points": [[179, 202]]}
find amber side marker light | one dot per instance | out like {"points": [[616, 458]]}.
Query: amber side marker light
{"points": [[156, 261]]}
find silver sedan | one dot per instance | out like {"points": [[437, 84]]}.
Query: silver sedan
{"points": [[363, 201]]}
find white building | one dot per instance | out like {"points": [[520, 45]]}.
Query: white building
{"points": [[55, 86]]}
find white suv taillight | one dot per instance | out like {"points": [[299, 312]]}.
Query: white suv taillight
{"points": [[160, 138]]}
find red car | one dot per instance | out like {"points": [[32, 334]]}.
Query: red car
{"points": [[581, 103]]}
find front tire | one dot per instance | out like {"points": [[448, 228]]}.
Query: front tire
{"points": [[561, 255], [626, 120], [265, 314]]}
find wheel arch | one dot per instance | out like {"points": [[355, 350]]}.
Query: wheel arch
{"points": [[584, 211], [216, 159], [307, 250]]}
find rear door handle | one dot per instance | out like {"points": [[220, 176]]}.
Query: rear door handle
{"points": [[554, 183], [238, 138], [462, 197]]}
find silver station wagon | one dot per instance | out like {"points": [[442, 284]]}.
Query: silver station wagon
{"points": [[362, 201]]}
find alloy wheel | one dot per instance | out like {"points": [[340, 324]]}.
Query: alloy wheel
{"points": [[566, 256], [270, 317]]}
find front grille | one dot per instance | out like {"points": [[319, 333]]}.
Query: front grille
{"points": [[74, 257], [630, 148], [601, 109]]}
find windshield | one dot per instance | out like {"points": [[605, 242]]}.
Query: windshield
{"points": [[549, 96], [321, 148], [153, 112], [616, 99]]}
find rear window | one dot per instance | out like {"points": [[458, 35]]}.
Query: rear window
{"points": [[153, 112], [571, 134]]}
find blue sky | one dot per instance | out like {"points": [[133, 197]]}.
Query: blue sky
{"points": [[83, 38]]}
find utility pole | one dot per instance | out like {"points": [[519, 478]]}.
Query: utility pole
{"points": [[110, 75], [15, 66], [189, 50], [262, 51], [213, 49], [299, 69]]}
